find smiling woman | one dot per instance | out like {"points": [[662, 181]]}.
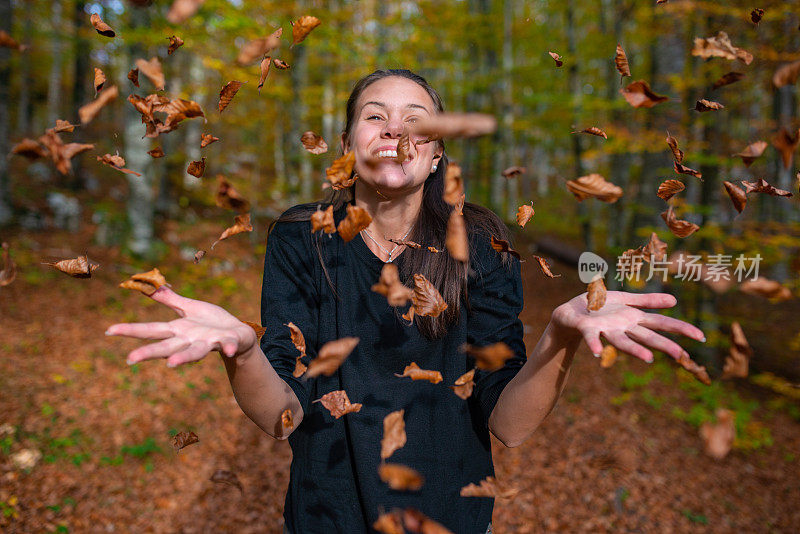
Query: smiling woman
{"points": [[379, 450]]}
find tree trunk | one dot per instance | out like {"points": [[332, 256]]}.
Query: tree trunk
{"points": [[80, 82], [54, 81], [24, 109], [6, 212]]}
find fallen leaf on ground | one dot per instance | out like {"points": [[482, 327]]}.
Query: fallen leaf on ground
{"points": [[147, 282], [241, 223], [183, 439], [394, 433], [330, 356], [221, 476], [338, 404], [414, 372], [400, 477], [489, 357], [594, 185], [80, 267]]}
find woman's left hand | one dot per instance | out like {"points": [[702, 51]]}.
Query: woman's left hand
{"points": [[624, 323]]}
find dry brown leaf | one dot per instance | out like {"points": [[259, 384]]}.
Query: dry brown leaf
{"points": [[101, 27], [152, 69], [621, 62], [488, 487], [227, 197], [280, 64], [682, 169], [9, 271], [545, 267], [299, 368], [639, 95], [174, 43], [287, 421], [489, 357], [677, 154], [61, 154], [524, 214], [116, 162], [314, 143], [592, 130], [394, 433], [513, 172], [698, 371], [464, 384], [727, 79], [761, 186], [323, 220], [670, 188], [147, 282], [264, 69], [29, 148], [207, 139], [414, 372], [720, 46], [221, 476], [157, 152], [786, 143], [241, 223], [183, 439], [718, 437], [389, 286], [756, 15], [418, 523], [501, 245], [133, 76], [257, 328], [6, 41], [595, 294], [89, 111], [738, 196], [764, 287], [677, 226], [707, 105], [400, 477], [404, 242], [786, 74], [302, 27], [434, 250], [181, 10], [453, 185], [356, 220], [594, 185], [389, 523], [453, 125], [339, 173], [99, 80], [298, 339], [199, 256], [197, 168], [426, 300], [737, 362], [456, 241], [751, 152], [654, 248], [258, 48], [227, 93], [556, 58], [80, 267], [331, 356], [402, 148], [608, 356]]}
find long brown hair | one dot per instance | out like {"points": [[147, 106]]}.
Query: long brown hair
{"points": [[447, 274]]}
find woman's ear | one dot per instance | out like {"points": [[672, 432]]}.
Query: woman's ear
{"points": [[344, 144]]}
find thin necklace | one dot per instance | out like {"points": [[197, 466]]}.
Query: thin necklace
{"points": [[387, 252]]}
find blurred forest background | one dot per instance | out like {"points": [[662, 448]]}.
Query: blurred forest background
{"points": [[487, 56]]}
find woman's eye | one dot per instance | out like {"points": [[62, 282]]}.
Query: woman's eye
{"points": [[373, 117], [412, 119]]}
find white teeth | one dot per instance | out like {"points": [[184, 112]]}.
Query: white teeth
{"points": [[387, 154]]}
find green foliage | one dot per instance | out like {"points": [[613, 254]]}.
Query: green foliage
{"points": [[143, 449], [695, 517]]}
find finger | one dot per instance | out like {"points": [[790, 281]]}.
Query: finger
{"points": [[647, 337], [592, 339], [162, 349], [624, 343], [141, 330], [194, 352], [656, 321], [165, 295], [228, 346], [647, 300]]}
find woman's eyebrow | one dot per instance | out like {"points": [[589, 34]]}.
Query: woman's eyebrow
{"points": [[381, 104]]}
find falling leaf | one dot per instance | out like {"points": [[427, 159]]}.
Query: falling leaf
{"points": [[682, 169], [116, 162], [414, 372], [761, 186], [9, 272], [157, 152], [227, 93], [405, 242], [678, 227], [707, 105], [453, 184], [418, 523], [501, 245], [197, 168], [357, 219], [488, 487], [99, 80], [756, 15], [298, 339], [720, 46], [6, 41], [464, 384], [670, 188], [323, 220], [729, 78], [264, 67], [222, 476], [299, 368], [434, 250], [314, 143], [594, 185], [543, 265], [402, 148], [331, 356], [654, 249], [207, 139], [199, 256], [302, 27], [394, 433], [89, 111], [738, 196], [227, 197], [595, 294], [29, 148], [389, 286], [453, 125], [147, 282], [513, 172], [61, 154], [400, 477], [101, 27], [174, 43], [639, 95], [258, 48], [241, 223], [280, 64], [751, 152], [718, 437], [181, 10], [80, 267], [286, 419], [608, 356], [737, 362], [389, 523], [133, 76], [426, 300], [183, 439], [338, 404], [764, 287], [698, 371], [257, 328], [786, 143], [621, 62], [556, 58], [524, 214], [593, 130], [152, 69], [786, 74], [489, 357], [456, 241], [340, 170], [677, 154]]}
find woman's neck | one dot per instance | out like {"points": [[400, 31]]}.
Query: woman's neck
{"points": [[392, 216]]}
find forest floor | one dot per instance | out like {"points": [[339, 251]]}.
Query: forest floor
{"points": [[621, 451]]}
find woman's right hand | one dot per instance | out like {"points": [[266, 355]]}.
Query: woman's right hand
{"points": [[202, 328]]}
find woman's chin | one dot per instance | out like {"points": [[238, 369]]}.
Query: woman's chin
{"points": [[391, 181]]}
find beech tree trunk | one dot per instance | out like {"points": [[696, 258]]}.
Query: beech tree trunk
{"points": [[6, 213]]}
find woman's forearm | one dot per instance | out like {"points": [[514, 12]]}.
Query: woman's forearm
{"points": [[532, 393], [261, 393]]}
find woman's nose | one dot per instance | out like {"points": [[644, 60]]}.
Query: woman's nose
{"points": [[393, 129]]}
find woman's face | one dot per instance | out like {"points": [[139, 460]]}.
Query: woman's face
{"points": [[384, 110]]}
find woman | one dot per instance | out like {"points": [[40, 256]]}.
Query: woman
{"points": [[323, 285]]}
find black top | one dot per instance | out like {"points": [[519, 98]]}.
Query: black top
{"points": [[334, 484]]}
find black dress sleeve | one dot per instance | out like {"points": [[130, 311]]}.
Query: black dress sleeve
{"points": [[495, 295], [289, 294]]}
